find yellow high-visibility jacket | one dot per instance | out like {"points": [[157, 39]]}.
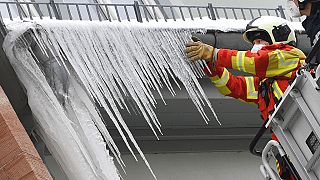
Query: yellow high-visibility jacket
{"points": [[274, 64], [278, 60]]}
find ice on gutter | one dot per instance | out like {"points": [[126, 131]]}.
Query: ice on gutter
{"points": [[87, 65]]}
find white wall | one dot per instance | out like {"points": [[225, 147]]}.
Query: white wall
{"points": [[194, 166], [186, 166]]}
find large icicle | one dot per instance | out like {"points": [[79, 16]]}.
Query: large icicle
{"points": [[71, 69]]}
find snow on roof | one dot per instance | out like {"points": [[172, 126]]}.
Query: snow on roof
{"points": [[224, 25]]}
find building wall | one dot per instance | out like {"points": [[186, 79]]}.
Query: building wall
{"points": [[193, 166], [186, 166], [19, 159]]}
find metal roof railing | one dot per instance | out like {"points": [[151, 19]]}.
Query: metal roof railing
{"points": [[128, 12]]}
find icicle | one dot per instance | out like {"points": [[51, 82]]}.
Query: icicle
{"points": [[114, 66]]}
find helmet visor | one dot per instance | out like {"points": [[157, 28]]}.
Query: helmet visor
{"points": [[258, 34]]}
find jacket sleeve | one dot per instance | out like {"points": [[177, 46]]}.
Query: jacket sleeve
{"points": [[265, 63], [244, 88]]}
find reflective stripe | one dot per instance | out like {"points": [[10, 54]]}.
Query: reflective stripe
{"points": [[249, 65], [281, 63], [251, 91], [243, 63], [238, 61], [224, 90], [286, 62], [240, 57], [316, 37], [276, 90], [223, 80]]}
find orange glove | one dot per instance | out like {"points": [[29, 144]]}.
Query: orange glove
{"points": [[199, 50]]}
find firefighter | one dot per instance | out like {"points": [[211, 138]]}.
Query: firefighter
{"points": [[311, 9], [272, 61]]}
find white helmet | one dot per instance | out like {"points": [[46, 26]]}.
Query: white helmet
{"points": [[274, 30]]}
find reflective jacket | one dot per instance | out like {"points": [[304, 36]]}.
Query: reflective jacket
{"points": [[278, 60], [272, 68]]}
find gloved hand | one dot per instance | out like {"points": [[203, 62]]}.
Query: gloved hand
{"points": [[197, 50]]}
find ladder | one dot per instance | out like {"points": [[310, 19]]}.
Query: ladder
{"points": [[296, 124]]}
